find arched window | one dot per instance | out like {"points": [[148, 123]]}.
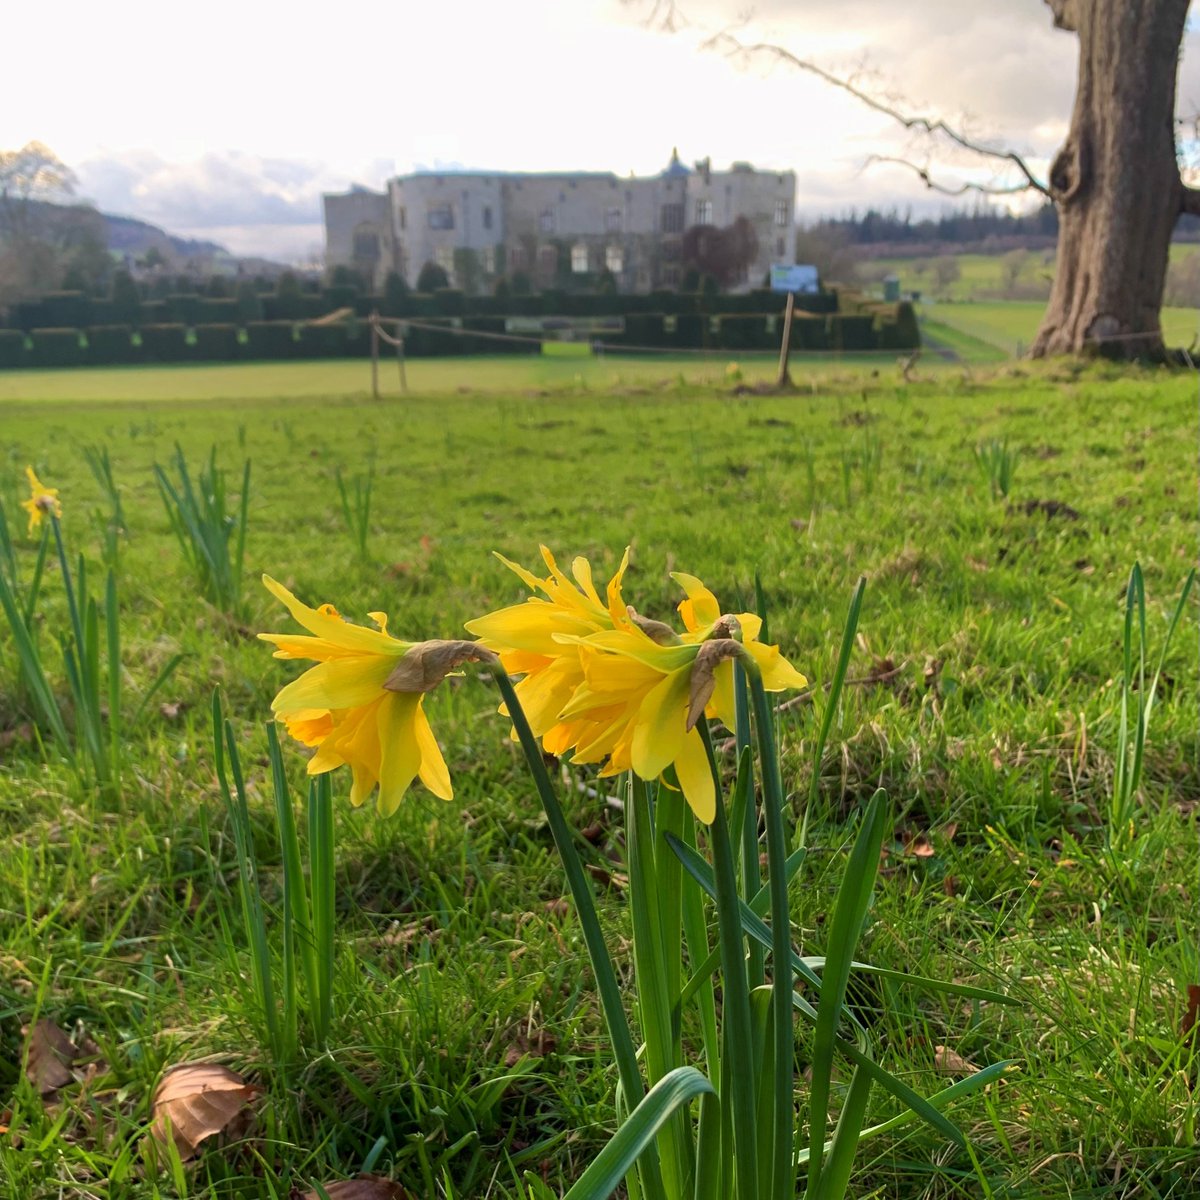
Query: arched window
{"points": [[579, 258]]}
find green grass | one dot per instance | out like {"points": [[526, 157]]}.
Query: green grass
{"points": [[984, 696], [1011, 325]]}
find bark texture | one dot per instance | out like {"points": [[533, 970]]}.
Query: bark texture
{"points": [[1116, 180]]}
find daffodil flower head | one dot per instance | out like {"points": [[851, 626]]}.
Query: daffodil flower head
{"points": [[537, 638], [362, 704], [42, 501], [643, 694]]}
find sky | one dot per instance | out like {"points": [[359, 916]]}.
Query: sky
{"points": [[227, 121]]}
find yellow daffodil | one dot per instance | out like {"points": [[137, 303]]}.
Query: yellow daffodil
{"points": [[42, 500], [616, 689], [536, 639], [362, 704]]}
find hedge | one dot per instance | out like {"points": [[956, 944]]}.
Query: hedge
{"points": [[12, 348], [166, 343], [270, 339], [110, 344], [215, 343], [56, 347], [874, 327]]}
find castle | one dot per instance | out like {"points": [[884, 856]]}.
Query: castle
{"points": [[481, 226]]}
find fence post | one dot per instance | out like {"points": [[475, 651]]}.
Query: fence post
{"points": [[785, 380]]}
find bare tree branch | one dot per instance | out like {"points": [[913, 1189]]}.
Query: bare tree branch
{"points": [[724, 42], [963, 189]]}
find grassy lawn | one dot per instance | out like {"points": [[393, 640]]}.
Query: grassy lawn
{"points": [[1011, 325], [467, 1044]]}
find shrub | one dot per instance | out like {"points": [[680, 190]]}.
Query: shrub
{"points": [[448, 302], [323, 341], [270, 340], [216, 343], [65, 310], [56, 347], [125, 300], [12, 348], [216, 311], [431, 278], [184, 308], [110, 344], [166, 343]]}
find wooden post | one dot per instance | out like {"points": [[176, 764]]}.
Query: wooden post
{"points": [[375, 355], [400, 358], [785, 380]]}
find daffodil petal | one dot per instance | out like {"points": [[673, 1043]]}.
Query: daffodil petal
{"points": [[695, 777], [334, 628], [400, 751], [659, 732], [339, 683], [434, 773]]}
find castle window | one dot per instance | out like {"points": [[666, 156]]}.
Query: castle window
{"points": [[366, 245], [403, 217], [441, 217], [703, 212], [579, 258], [613, 220], [782, 215], [614, 259], [489, 259], [672, 218], [487, 216], [546, 220], [547, 260]]}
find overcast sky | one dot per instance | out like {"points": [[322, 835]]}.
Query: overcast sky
{"points": [[228, 120]]}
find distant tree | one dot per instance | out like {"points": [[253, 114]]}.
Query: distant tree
{"points": [[709, 285], [343, 276], [217, 287], [395, 292], [152, 259], [42, 238], [691, 280], [522, 285], [124, 298], [432, 277], [1012, 267], [249, 302], [468, 270], [289, 299], [946, 270], [75, 279], [501, 289], [160, 287], [725, 254], [606, 283], [827, 247]]}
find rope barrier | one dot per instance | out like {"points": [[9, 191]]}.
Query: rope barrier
{"points": [[614, 347]]}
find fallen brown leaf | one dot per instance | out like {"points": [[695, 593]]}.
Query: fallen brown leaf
{"points": [[950, 1062], [1192, 1016], [52, 1060], [197, 1101], [529, 1043], [365, 1187]]}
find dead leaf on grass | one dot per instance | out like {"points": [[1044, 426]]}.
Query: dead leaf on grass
{"points": [[950, 1062], [364, 1187], [529, 1043], [197, 1101], [1191, 1018], [53, 1061]]}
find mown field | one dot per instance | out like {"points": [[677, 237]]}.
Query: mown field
{"points": [[466, 1047]]}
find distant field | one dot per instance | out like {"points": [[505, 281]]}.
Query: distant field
{"points": [[981, 275], [1011, 325]]}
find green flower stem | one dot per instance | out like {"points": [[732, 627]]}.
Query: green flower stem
{"points": [[751, 875], [783, 1052], [651, 955], [581, 893], [73, 608], [739, 1042]]}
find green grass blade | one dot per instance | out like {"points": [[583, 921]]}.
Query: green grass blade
{"points": [[849, 629], [850, 909], [637, 1133], [844, 1145]]}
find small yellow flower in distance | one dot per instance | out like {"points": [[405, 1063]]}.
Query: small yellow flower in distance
{"points": [[42, 500], [362, 704], [536, 638]]}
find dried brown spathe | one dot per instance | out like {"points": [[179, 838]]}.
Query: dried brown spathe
{"points": [[426, 664]]}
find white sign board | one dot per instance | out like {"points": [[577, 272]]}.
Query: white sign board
{"points": [[792, 277]]}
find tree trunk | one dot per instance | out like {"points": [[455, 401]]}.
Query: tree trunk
{"points": [[1116, 180]]}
